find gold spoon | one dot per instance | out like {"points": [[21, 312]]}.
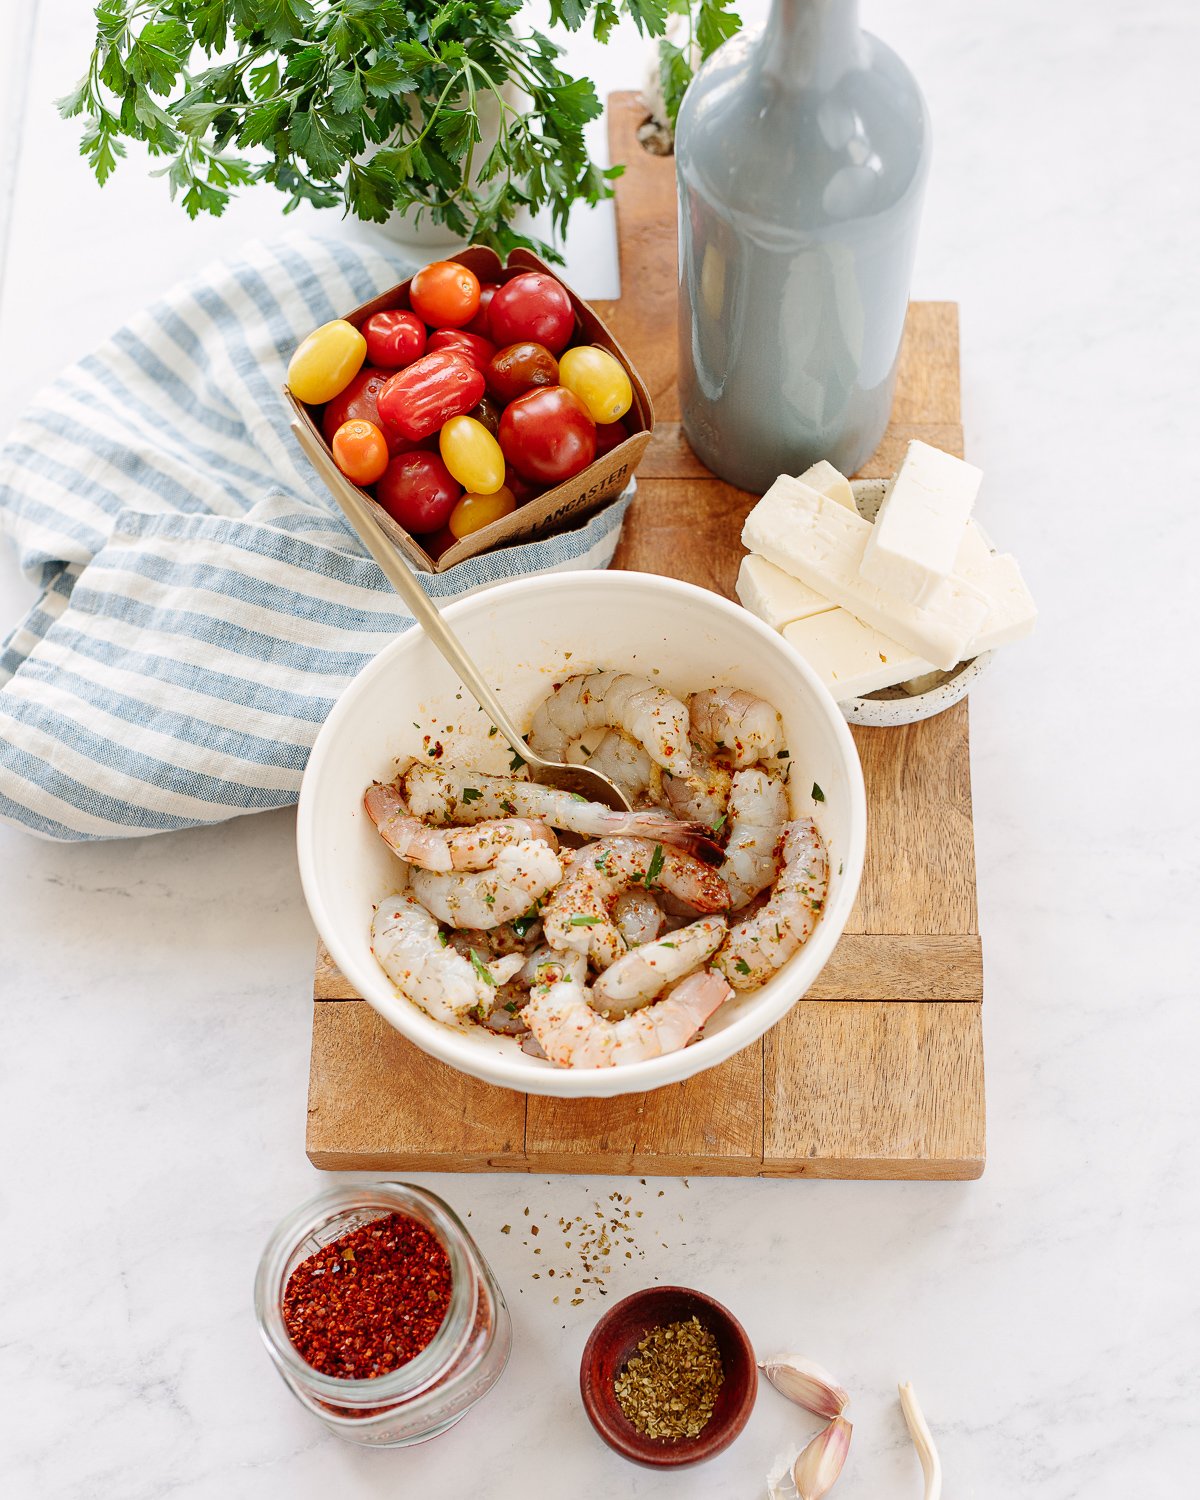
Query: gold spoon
{"points": [[581, 780]]}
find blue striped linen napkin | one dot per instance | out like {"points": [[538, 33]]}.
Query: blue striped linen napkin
{"points": [[203, 600]]}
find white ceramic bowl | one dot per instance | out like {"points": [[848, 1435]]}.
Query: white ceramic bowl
{"points": [[527, 635]]}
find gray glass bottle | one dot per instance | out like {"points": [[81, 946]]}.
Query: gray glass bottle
{"points": [[801, 157]]}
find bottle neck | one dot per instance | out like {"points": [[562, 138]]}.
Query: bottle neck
{"points": [[811, 43]]}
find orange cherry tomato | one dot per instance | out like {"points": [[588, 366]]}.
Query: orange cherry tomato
{"points": [[475, 511], [360, 450], [445, 294]]}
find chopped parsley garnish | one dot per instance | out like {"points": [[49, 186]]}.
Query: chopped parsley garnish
{"points": [[509, 807], [493, 732], [584, 921], [602, 862], [666, 945], [517, 762], [720, 823], [656, 864], [785, 755], [443, 939], [511, 1007], [521, 925], [481, 969], [817, 794], [742, 966], [471, 794], [489, 898]]}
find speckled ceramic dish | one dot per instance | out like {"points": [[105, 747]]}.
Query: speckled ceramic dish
{"points": [[893, 706]]}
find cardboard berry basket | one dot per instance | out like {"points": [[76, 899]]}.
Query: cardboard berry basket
{"points": [[572, 501]]}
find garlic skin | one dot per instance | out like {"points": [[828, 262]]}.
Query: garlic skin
{"points": [[806, 1383], [918, 1430], [818, 1467]]}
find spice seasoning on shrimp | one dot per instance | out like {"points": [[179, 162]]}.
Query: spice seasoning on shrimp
{"points": [[370, 1301], [669, 1387]]}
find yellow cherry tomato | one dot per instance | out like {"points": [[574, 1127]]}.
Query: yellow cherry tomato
{"points": [[326, 362], [474, 511], [598, 379], [472, 455]]}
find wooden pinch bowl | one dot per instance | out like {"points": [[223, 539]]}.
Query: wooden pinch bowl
{"points": [[616, 1337]]}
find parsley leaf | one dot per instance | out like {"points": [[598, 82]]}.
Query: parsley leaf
{"points": [[482, 969], [742, 966], [817, 794], [471, 794], [657, 861], [583, 921]]}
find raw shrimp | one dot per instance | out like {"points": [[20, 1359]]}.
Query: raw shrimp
{"points": [[758, 809], [703, 796], [408, 945], [572, 1035], [444, 849], [656, 719], [760, 943], [577, 918], [746, 728], [521, 875], [644, 972], [622, 760], [452, 794], [638, 916]]}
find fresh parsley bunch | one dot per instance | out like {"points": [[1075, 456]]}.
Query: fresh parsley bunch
{"points": [[373, 105]]}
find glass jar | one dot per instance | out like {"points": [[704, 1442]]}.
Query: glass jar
{"points": [[462, 1362]]}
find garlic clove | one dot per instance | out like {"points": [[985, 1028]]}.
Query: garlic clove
{"points": [[918, 1430], [819, 1465], [806, 1383]]}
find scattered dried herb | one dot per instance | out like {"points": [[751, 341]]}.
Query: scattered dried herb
{"points": [[669, 1387]]}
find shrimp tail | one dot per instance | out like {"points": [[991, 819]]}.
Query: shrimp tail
{"points": [[692, 838]]}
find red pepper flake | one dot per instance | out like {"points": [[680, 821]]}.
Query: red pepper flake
{"points": [[369, 1301]]}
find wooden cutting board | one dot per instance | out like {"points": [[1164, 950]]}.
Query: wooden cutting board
{"points": [[878, 1071]]}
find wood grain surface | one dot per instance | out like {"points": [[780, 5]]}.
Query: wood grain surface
{"points": [[878, 1070]]}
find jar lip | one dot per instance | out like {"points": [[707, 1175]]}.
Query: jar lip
{"points": [[442, 1350]]}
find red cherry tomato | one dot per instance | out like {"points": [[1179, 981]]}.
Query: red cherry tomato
{"points": [[472, 346], [547, 435], [517, 368], [521, 488], [479, 323], [418, 491], [356, 401], [394, 339], [415, 402], [445, 294], [438, 542], [532, 306], [609, 435]]}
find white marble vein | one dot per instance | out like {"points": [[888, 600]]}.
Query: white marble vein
{"points": [[154, 1056]]}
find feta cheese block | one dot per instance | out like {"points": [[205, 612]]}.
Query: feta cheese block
{"points": [[1013, 613], [921, 523], [774, 596], [827, 480], [821, 543], [851, 658]]}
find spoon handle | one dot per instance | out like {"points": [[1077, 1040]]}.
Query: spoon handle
{"points": [[426, 613]]}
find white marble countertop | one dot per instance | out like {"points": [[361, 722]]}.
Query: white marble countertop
{"points": [[156, 1010]]}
